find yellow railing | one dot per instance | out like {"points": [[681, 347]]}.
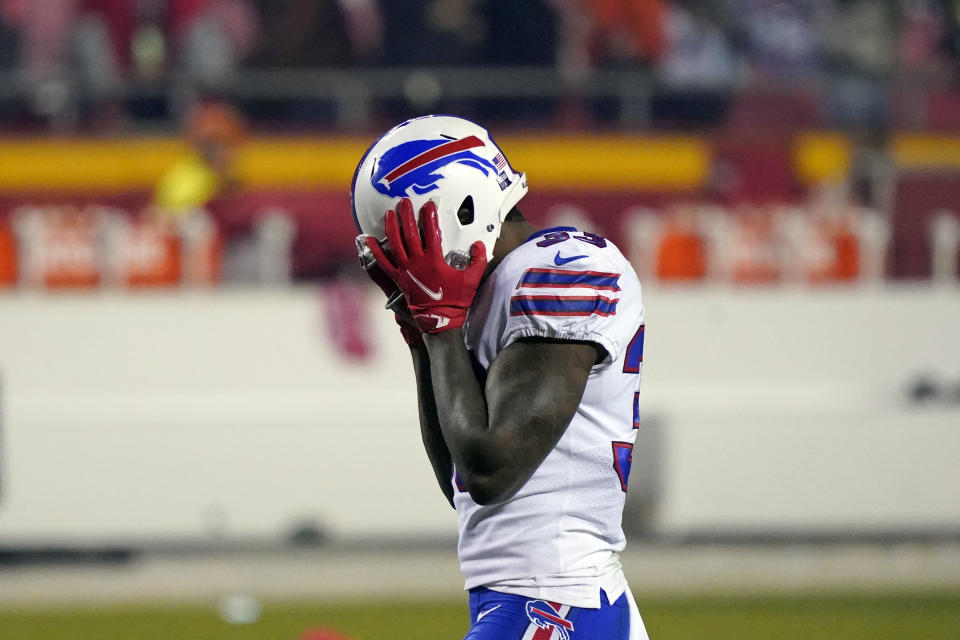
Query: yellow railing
{"points": [[575, 162]]}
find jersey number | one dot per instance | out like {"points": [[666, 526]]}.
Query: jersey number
{"points": [[556, 237], [631, 364], [634, 357], [622, 459], [623, 451]]}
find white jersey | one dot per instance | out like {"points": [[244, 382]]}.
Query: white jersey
{"points": [[559, 536]]}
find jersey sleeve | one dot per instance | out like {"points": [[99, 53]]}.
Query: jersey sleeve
{"points": [[576, 302]]}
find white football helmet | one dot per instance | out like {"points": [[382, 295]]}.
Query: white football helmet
{"points": [[448, 160]]}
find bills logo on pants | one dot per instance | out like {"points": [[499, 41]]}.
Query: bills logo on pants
{"points": [[545, 618]]}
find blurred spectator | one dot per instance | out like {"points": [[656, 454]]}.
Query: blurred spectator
{"points": [[629, 30], [609, 33], [697, 69], [860, 49], [922, 36], [9, 41], [780, 37], [76, 51], [432, 32], [210, 37], [47, 31], [62, 43], [951, 39], [215, 131], [595, 34], [682, 254], [520, 33], [697, 54], [149, 47], [922, 99], [364, 22], [303, 33], [189, 191]]}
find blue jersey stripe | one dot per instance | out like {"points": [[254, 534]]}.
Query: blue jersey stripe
{"points": [[570, 279], [526, 305]]}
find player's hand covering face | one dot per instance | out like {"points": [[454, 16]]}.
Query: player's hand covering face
{"points": [[408, 326], [437, 294]]}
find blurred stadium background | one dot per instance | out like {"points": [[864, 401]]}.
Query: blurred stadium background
{"points": [[206, 421]]}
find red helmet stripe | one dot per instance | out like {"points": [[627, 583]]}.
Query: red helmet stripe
{"points": [[445, 149]]}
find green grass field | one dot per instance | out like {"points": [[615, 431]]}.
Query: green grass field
{"points": [[906, 616]]}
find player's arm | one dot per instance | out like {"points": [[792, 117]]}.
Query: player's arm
{"points": [[430, 431], [499, 435]]}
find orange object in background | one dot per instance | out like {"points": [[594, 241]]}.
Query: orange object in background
{"points": [[62, 248], [8, 257], [846, 267], [682, 255], [682, 250], [150, 255], [842, 255], [152, 252]]}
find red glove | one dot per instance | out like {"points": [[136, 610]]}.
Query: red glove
{"points": [[437, 294], [408, 328]]}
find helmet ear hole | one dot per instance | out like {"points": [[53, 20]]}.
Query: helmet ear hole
{"points": [[465, 212]]}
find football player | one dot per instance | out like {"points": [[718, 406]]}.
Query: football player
{"points": [[527, 347]]}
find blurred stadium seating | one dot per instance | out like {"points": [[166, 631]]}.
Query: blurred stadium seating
{"points": [[745, 90], [187, 349]]}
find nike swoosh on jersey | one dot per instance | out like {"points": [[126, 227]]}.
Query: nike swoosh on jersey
{"points": [[436, 295], [482, 614], [560, 260]]}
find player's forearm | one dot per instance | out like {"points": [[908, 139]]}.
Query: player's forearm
{"points": [[462, 412], [461, 406], [433, 441], [498, 434]]}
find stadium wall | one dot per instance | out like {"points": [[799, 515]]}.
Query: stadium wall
{"points": [[238, 414], [604, 179]]}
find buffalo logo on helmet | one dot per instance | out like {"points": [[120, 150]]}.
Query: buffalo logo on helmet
{"points": [[415, 165]]}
